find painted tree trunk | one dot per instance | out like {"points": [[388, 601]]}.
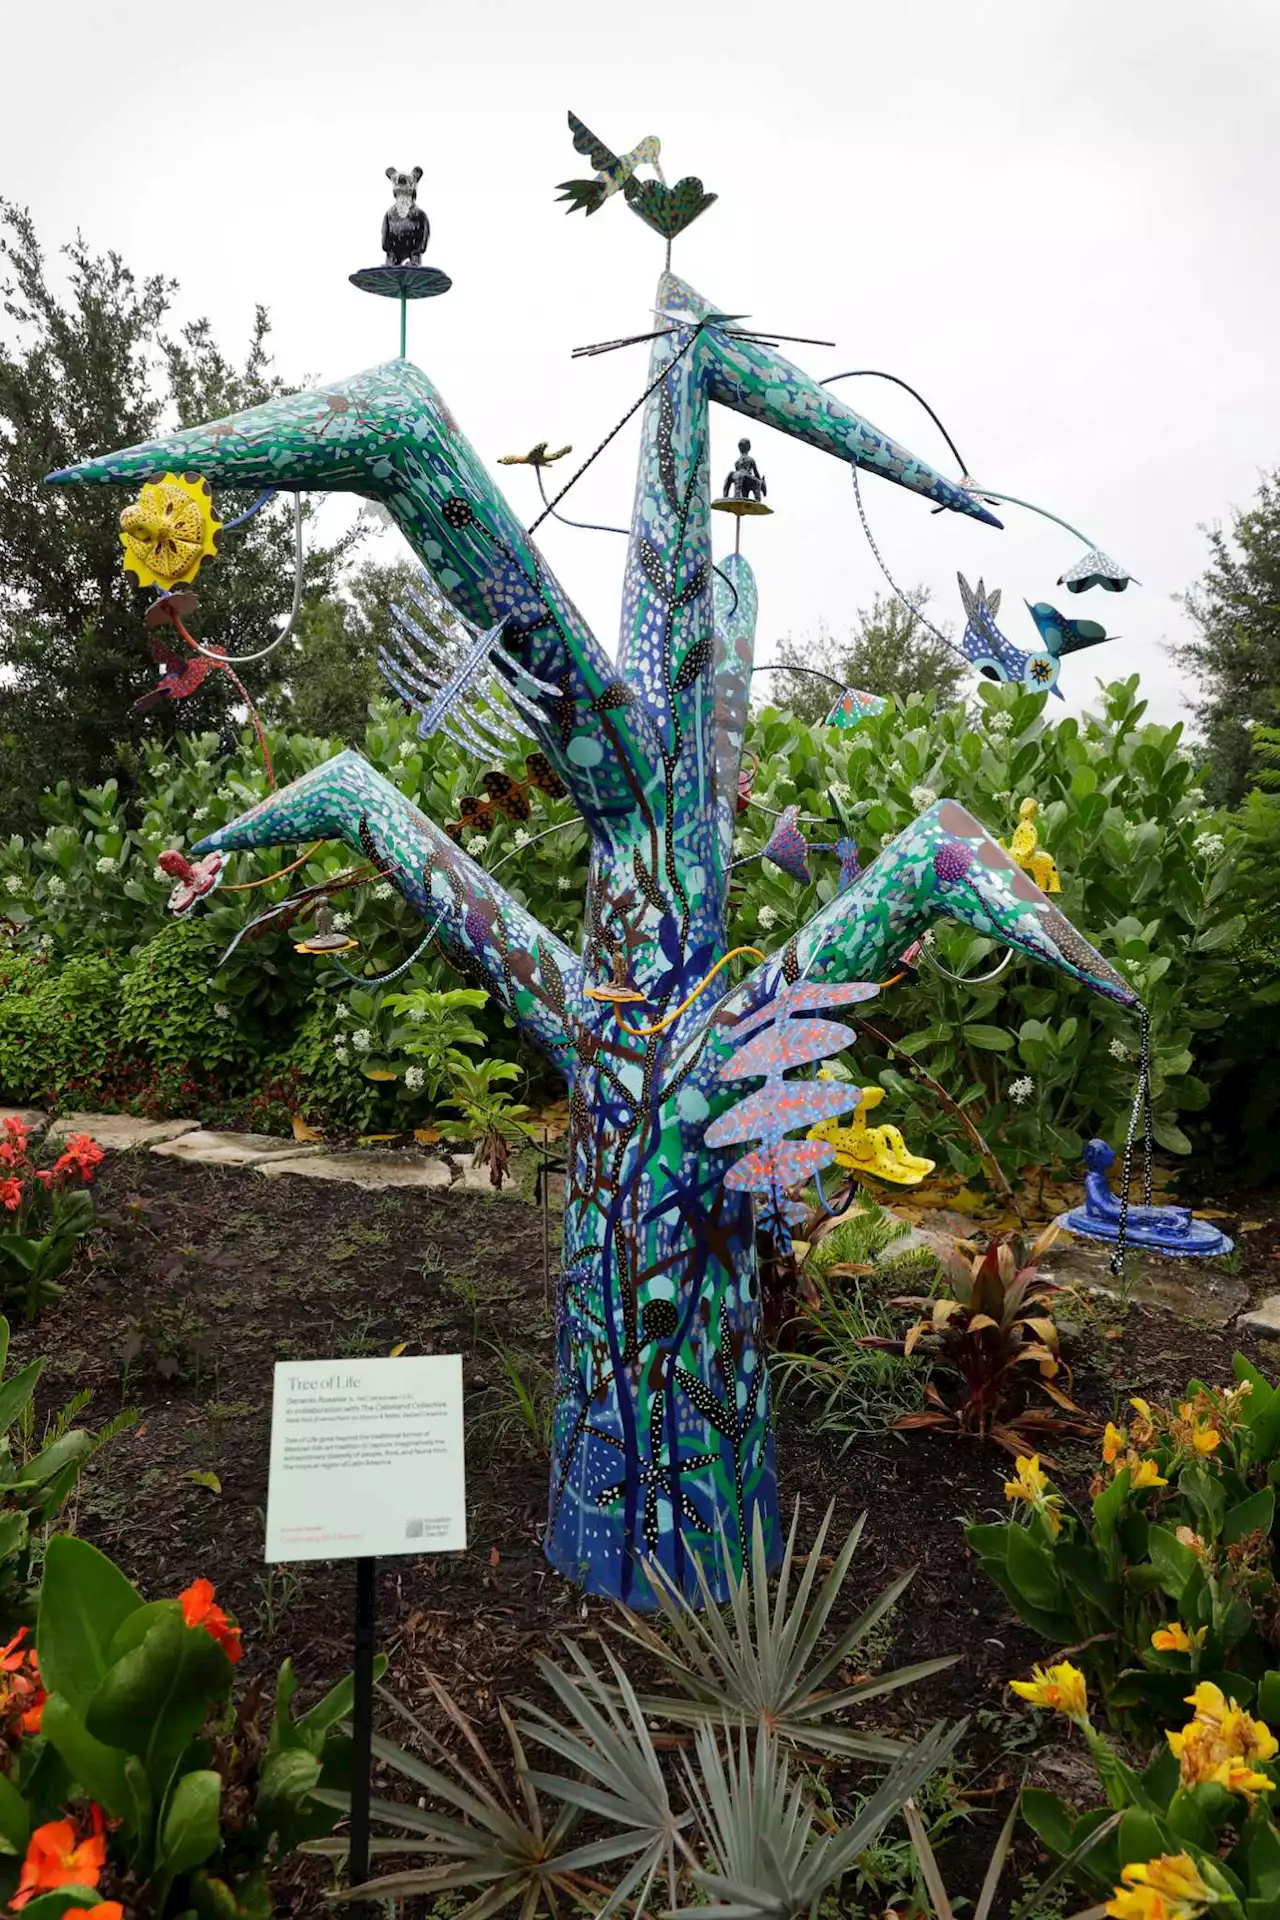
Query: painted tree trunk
{"points": [[662, 1445]]}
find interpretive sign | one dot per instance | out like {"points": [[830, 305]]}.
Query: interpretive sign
{"points": [[366, 1458]]}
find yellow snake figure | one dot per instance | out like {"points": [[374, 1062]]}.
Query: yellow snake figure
{"points": [[169, 531], [878, 1151], [1027, 851]]}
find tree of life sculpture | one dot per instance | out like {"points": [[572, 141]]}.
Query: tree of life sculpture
{"points": [[663, 1444]]}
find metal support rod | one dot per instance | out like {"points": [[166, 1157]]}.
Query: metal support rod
{"points": [[404, 321], [362, 1720], [546, 1222]]}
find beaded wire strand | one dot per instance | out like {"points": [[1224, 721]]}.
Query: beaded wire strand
{"points": [[1141, 1105]]}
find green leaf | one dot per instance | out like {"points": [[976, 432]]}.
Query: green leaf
{"points": [[336, 1705], [1141, 1836], [989, 1039], [1225, 934], [83, 1600], [1253, 1515], [1049, 1818], [1269, 1697], [1170, 1137], [155, 1697], [93, 1765], [1032, 1571], [284, 1794], [189, 1832], [15, 1819], [15, 1393], [1175, 1562], [51, 1906]]}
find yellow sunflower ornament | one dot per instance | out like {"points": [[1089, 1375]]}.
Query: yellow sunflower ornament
{"points": [[169, 531]]}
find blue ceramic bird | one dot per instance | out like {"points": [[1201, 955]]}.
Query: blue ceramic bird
{"points": [[999, 659]]}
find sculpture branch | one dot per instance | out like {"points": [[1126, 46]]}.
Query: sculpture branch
{"points": [[531, 973]]}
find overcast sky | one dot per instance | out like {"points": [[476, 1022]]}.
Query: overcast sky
{"points": [[1056, 219]]}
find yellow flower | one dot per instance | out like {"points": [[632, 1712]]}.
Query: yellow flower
{"points": [[1062, 1688], [1032, 1485], [1205, 1439], [1168, 1888], [1187, 1537], [1142, 1431], [1113, 1443], [1145, 1473], [169, 531], [1175, 1638], [1220, 1742]]}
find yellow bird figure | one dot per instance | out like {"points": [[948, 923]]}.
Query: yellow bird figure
{"points": [[536, 456], [1027, 851], [877, 1151], [169, 531]]}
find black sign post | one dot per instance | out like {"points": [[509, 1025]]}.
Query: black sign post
{"points": [[362, 1720]]}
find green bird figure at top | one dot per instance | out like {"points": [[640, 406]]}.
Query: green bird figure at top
{"points": [[613, 170]]}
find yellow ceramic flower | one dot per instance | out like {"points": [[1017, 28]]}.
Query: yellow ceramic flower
{"points": [[1032, 1485], [1175, 1638], [1060, 1688], [1113, 1444], [169, 531], [1167, 1888]]}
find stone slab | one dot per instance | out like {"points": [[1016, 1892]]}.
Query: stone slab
{"points": [[373, 1171], [120, 1131], [1264, 1318], [1189, 1288], [211, 1149]]}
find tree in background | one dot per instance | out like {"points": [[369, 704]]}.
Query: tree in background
{"points": [[92, 365], [1236, 658], [331, 671], [891, 650]]}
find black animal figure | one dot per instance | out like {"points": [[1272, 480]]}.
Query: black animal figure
{"points": [[745, 482], [405, 228]]}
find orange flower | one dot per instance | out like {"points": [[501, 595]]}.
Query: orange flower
{"points": [[198, 1610], [105, 1910], [56, 1858], [22, 1697], [10, 1195]]}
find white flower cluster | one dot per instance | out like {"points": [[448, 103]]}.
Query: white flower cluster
{"points": [[564, 882], [107, 864], [340, 1053], [342, 921], [767, 918], [57, 886], [383, 890], [417, 1015], [999, 724], [476, 845], [521, 837], [922, 798], [1195, 795], [414, 1079], [1118, 1050], [221, 1011], [362, 1039], [840, 792], [14, 883], [199, 813], [165, 879], [1020, 1091], [1210, 846]]}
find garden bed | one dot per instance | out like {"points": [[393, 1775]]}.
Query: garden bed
{"points": [[202, 1278]]}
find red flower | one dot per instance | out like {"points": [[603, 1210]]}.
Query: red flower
{"points": [[57, 1858], [10, 1195], [44, 1176], [105, 1910], [22, 1697], [198, 1610]]}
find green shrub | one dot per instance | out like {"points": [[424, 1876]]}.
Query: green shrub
{"points": [[59, 1028], [190, 1021]]}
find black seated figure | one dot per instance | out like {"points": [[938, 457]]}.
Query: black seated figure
{"points": [[746, 482], [405, 228]]}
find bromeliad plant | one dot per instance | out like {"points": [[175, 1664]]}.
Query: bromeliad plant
{"points": [[47, 1211], [138, 1768], [994, 1339], [1166, 1577], [1194, 1830]]}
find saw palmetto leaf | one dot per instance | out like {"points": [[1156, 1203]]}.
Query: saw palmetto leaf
{"points": [[758, 1660], [771, 1855], [616, 1772], [498, 1846]]}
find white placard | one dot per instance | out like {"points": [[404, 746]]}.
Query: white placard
{"points": [[366, 1458]]}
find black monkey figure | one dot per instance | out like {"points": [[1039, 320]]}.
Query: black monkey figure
{"points": [[405, 228], [746, 482]]}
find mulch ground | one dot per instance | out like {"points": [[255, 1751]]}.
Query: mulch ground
{"points": [[201, 1279]]}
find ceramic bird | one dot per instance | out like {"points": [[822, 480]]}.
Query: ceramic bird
{"points": [[995, 656], [536, 456], [613, 170], [879, 1151], [1027, 851], [1061, 635], [183, 674]]}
